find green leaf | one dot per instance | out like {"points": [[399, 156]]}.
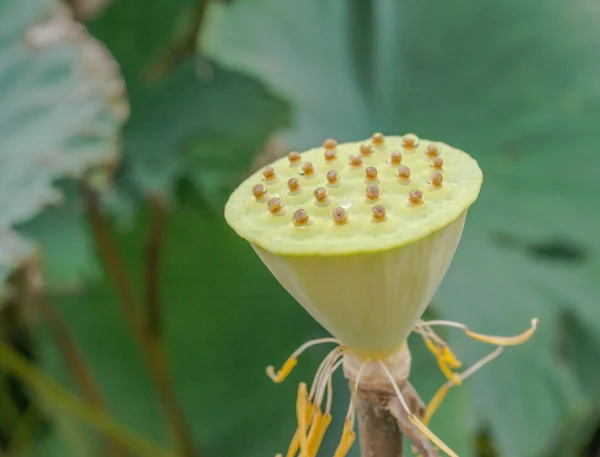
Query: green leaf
{"points": [[61, 104], [191, 119], [516, 84]]}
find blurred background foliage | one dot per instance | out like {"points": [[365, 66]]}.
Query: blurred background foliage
{"points": [[134, 322]]}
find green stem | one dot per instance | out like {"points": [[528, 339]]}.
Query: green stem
{"points": [[75, 362], [54, 394], [147, 336]]}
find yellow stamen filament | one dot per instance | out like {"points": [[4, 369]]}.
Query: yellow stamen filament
{"points": [[348, 437], [291, 362], [437, 399], [302, 413], [295, 443], [351, 414], [317, 432], [283, 373], [442, 362], [489, 339], [414, 419]]}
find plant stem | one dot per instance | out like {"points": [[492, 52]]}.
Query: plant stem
{"points": [[378, 429], [150, 344], [383, 422], [75, 362], [12, 362], [153, 253]]}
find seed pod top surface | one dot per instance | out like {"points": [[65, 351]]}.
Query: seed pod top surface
{"points": [[405, 221]]}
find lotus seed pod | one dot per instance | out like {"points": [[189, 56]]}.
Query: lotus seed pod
{"points": [[378, 212], [333, 177], [308, 169], [432, 150], [320, 194], [294, 157], [377, 139], [395, 158], [293, 185], [269, 173], [436, 179], [370, 173], [410, 141], [259, 191], [339, 215], [275, 206], [329, 155], [365, 150], [329, 144], [355, 161], [368, 279], [415, 197], [300, 218], [373, 192], [403, 173]]}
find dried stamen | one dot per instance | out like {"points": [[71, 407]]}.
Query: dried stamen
{"points": [[403, 173], [275, 206], [377, 139], [355, 161], [432, 150], [436, 179], [339, 215], [365, 150], [395, 158], [259, 191], [294, 157], [330, 155], [415, 197], [437, 163], [300, 218], [320, 194], [269, 173], [308, 169], [378, 213], [333, 177], [371, 173], [373, 192], [330, 144], [409, 141]]}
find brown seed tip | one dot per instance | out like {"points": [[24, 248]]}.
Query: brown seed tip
{"points": [[403, 173], [294, 157], [275, 206], [329, 155], [339, 215], [395, 158], [377, 139], [371, 173], [365, 150], [308, 169], [320, 194], [300, 218], [330, 144], [373, 192], [355, 161], [269, 173], [409, 141], [436, 179], [333, 176], [293, 185], [437, 163], [378, 213], [415, 197], [432, 150], [258, 191]]}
